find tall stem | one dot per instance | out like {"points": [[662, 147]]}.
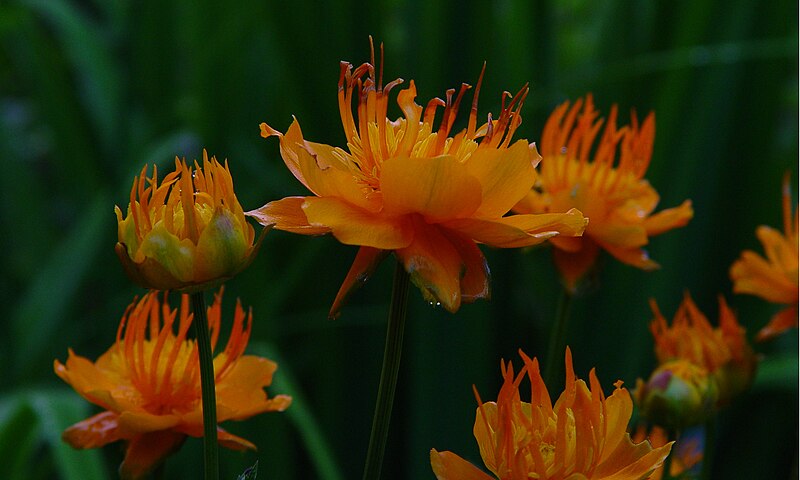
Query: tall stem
{"points": [[709, 443], [557, 344], [389, 370], [210, 448]]}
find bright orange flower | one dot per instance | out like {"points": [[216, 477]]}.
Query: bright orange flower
{"points": [[774, 278], [188, 232], [617, 200], [148, 382], [723, 351], [583, 436], [404, 187]]}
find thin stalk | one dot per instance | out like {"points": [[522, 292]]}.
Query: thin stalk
{"points": [[389, 370], [210, 448], [557, 344], [709, 442]]}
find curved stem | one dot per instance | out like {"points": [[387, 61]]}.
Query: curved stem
{"points": [[557, 344], [389, 370], [210, 448]]}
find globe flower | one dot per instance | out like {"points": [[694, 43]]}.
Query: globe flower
{"points": [[148, 384], [582, 436], [407, 187], [187, 232], [616, 199], [723, 351], [679, 394], [775, 277]]}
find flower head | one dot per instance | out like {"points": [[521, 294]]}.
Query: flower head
{"points": [[148, 383], [616, 199], [583, 436], [187, 232], [407, 187], [723, 351], [774, 278]]}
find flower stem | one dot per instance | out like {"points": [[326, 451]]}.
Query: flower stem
{"points": [[557, 344], [709, 442], [210, 449], [389, 370]]}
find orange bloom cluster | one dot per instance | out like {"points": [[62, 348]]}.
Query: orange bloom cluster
{"points": [[406, 187], [583, 436], [723, 351], [148, 384], [774, 278], [188, 232], [616, 199]]}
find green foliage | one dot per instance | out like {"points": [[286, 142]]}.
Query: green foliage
{"points": [[90, 91]]}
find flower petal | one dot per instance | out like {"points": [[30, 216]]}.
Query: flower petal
{"points": [[434, 264], [136, 422], [93, 432], [240, 392], [632, 256], [779, 323], [440, 188], [145, 452], [669, 218], [287, 214], [520, 230], [314, 166], [449, 466], [475, 277], [233, 442], [353, 226], [505, 175], [364, 265], [752, 274]]}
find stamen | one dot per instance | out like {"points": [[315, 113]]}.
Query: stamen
{"points": [[473, 113]]}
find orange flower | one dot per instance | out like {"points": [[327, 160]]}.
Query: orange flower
{"points": [[774, 278], [189, 232], [583, 436], [148, 382], [618, 202], [404, 187], [722, 351]]}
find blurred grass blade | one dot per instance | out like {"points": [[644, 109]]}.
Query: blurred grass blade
{"points": [[56, 411], [299, 413], [40, 311], [18, 437], [92, 62]]}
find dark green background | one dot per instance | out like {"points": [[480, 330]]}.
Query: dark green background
{"points": [[90, 91]]}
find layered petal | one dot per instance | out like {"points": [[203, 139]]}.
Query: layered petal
{"points": [[354, 226], [287, 214], [520, 230], [505, 176], [364, 265], [94, 432], [449, 466], [145, 452]]}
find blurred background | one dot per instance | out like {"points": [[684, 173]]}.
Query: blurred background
{"points": [[90, 91]]}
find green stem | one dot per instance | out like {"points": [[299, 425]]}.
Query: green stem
{"points": [[210, 448], [709, 442], [389, 370], [557, 344]]}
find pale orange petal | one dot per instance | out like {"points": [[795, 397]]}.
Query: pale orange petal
{"points": [[619, 235], [233, 442], [506, 176], [520, 230], [439, 188], [93, 432], [632, 256], [364, 265], [240, 392], [475, 277], [312, 165], [287, 214], [434, 264], [779, 323], [449, 466], [669, 218], [752, 274], [354, 226], [146, 452], [136, 422]]}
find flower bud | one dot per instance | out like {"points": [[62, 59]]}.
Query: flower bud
{"points": [[677, 395]]}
